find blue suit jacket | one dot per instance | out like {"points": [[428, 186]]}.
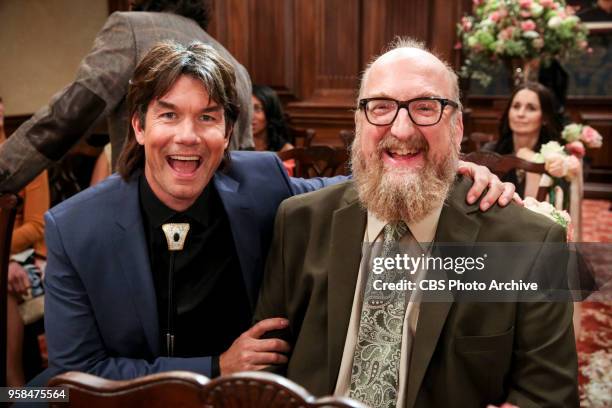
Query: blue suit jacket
{"points": [[101, 313]]}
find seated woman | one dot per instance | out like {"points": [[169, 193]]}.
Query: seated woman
{"points": [[528, 122], [269, 128], [25, 268]]}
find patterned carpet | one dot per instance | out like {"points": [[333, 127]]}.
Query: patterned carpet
{"points": [[594, 342]]}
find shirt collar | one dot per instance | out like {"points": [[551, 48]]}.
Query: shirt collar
{"points": [[424, 231], [158, 213]]}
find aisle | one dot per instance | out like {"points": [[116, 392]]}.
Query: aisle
{"points": [[595, 340]]}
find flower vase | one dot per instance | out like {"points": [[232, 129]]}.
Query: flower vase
{"points": [[522, 71]]}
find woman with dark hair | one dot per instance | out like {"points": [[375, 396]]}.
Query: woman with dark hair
{"points": [[529, 121], [268, 124]]}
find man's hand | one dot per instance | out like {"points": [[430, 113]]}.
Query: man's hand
{"points": [[18, 282], [250, 352], [483, 178]]}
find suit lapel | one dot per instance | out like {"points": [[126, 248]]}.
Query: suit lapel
{"points": [[131, 251], [348, 226], [455, 225], [239, 208]]}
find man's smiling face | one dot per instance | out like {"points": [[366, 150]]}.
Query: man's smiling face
{"points": [[402, 170], [184, 137]]}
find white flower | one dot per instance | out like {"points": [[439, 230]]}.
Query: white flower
{"points": [[537, 158], [554, 22], [536, 10], [546, 209], [531, 34], [551, 149]]}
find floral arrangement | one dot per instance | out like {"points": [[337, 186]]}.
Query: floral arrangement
{"points": [[577, 135], [564, 160], [558, 162], [561, 217], [503, 30]]}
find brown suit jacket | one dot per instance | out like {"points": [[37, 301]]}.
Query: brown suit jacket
{"points": [[464, 354]]}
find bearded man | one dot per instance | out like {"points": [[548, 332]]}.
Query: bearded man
{"points": [[386, 347]]}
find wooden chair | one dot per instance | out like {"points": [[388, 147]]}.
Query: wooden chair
{"points": [[266, 390], [502, 164], [317, 161], [302, 137], [347, 137], [8, 210], [185, 389], [479, 139], [168, 389]]}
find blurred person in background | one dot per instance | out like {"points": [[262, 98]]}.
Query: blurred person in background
{"points": [[26, 266], [99, 89], [528, 122], [270, 130]]}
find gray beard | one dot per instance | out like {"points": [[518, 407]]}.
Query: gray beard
{"points": [[402, 195]]}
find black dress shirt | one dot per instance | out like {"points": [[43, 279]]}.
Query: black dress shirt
{"points": [[211, 307]]}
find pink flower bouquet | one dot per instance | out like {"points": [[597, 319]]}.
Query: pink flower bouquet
{"points": [[502, 30]]}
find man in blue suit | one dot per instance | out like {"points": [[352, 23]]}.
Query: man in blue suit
{"points": [[158, 268]]}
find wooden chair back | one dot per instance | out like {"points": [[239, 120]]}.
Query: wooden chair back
{"points": [[302, 137], [347, 137], [185, 389], [502, 164], [168, 389], [8, 210], [317, 161], [479, 139]]}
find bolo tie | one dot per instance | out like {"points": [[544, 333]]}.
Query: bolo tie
{"points": [[175, 233]]}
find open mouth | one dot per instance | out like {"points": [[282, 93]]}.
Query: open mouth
{"points": [[403, 153], [184, 164]]}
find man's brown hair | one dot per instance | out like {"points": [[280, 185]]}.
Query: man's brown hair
{"points": [[158, 72]]}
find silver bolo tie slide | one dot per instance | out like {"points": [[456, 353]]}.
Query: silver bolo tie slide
{"points": [[176, 234]]}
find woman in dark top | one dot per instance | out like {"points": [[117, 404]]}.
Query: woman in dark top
{"points": [[528, 122], [269, 128]]}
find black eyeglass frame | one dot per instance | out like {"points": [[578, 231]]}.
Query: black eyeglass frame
{"points": [[405, 104]]}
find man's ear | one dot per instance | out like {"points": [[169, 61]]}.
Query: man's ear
{"points": [[138, 129], [228, 136], [458, 130]]}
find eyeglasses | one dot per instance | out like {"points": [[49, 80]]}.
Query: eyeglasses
{"points": [[426, 111]]}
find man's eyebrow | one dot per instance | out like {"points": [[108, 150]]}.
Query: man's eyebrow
{"points": [[426, 94], [166, 105], [213, 107]]}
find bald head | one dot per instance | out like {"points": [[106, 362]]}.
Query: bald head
{"points": [[410, 55]]}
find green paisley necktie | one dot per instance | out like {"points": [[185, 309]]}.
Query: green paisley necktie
{"points": [[375, 373]]}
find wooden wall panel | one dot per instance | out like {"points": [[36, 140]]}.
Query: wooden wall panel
{"points": [[230, 26], [386, 19], [337, 45], [314, 51], [271, 44]]}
